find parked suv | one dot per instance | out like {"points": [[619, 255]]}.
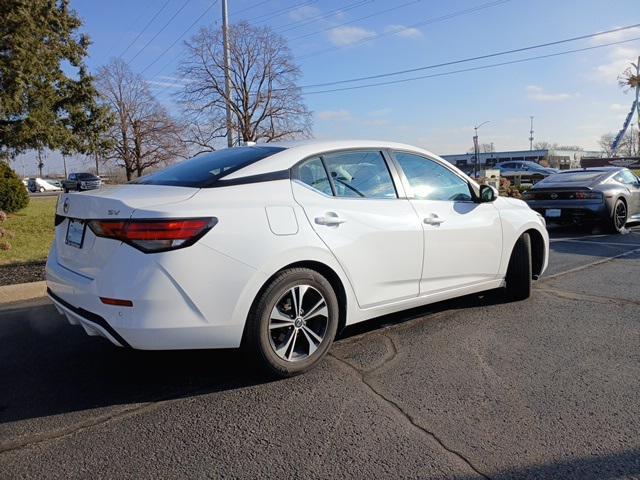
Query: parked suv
{"points": [[81, 181]]}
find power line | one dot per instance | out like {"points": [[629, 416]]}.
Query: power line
{"points": [[470, 59], [160, 31], [276, 13], [471, 69], [145, 28], [301, 23], [250, 7], [415, 25], [379, 12], [180, 37]]}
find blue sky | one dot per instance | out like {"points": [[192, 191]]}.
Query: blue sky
{"points": [[574, 98]]}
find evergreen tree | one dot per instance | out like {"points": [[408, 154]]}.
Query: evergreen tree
{"points": [[47, 98]]}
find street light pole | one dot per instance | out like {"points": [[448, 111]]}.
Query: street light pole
{"points": [[476, 148], [227, 69]]}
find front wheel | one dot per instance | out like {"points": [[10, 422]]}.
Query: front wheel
{"points": [[519, 271], [618, 217], [293, 323]]}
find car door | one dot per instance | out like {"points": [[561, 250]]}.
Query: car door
{"points": [[462, 238], [631, 183], [352, 204]]}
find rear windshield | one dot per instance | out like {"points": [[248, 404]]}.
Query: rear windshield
{"points": [[587, 176], [206, 169]]}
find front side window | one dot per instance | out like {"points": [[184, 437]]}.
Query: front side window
{"points": [[312, 173], [360, 174], [431, 181]]}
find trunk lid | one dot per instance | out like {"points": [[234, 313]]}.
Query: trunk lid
{"points": [[108, 203]]}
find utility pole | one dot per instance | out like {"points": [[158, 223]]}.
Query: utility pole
{"points": [[476, 148], [227, 70], [64, 165], [531, 135], [97, 169], [40, 162]]}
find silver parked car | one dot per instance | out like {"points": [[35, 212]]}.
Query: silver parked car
{"points": [[605, 194], [527, 170]]}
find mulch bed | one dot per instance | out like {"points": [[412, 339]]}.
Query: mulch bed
{"points": [[12, 274]]}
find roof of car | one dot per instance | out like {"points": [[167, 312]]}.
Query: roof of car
{"points": [[295, 151]]}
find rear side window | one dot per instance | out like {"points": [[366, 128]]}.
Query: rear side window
{"points": [[626, 177], [360, 174], [312, 173], [205, 170]]}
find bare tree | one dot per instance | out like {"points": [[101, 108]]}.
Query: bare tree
{"points": [[144, 135], [265, 100], [629, 145]]}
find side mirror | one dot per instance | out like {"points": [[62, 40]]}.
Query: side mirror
{"points": [[487, 193]]}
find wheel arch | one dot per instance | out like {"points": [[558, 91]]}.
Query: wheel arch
{"points": [[326, 271], [538, 252]]}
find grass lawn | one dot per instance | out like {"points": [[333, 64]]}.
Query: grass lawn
{"points": [[32, 230]]}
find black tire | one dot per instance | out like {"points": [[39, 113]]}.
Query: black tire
{"points": [[619, 217], [260, 342], [519, 271]]}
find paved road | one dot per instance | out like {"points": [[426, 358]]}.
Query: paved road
{"points": [[472, 388]]}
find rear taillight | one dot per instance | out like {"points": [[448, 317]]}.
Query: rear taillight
{"points": [[587, 195], [154, 235]]}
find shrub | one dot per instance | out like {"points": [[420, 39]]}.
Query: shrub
{"points": [[13, 194]]}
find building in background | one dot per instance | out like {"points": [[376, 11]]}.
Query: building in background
{"points": [[562, 159]]}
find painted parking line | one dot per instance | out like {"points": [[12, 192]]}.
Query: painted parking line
{"points": [[591, 242], [590, 264]]}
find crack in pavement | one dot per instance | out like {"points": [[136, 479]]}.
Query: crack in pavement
{"points": [[569, 295], [400, 411], [31, 440]]}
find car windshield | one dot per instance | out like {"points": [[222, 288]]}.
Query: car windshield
{"points": [[205, 170], [580, 176], [86, 176]]}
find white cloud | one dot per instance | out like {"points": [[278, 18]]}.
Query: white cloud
{"points": [[617, 107], [334, 115], [619, 59], [402, 31], [303, 13], [618, 36], [342, 36], [538, 94]]}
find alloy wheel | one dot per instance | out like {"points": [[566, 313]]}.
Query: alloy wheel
{"points": [[298, 323], [620, 215]]}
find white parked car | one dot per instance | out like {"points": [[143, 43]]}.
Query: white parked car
{"points": [[276, 248], [44, 185]]}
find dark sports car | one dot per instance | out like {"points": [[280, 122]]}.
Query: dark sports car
{"points": [[606, 194]]}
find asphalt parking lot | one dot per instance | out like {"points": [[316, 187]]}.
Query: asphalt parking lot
{"points": [[471, 388]]}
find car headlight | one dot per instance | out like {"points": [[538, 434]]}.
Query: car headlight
{"points": [[83, 184]]}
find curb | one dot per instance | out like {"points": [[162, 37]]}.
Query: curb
{"points": [[22, 291]]}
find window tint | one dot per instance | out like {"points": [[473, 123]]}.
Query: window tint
{"points": [[312, 173], [205, 170], [431, 181], [360, 174], [626, 177]]}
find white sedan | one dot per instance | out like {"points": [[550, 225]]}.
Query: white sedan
{"points": [[276, 248]]}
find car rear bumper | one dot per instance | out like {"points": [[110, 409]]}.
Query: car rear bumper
{"points": [[166, 314], [571, 212]]}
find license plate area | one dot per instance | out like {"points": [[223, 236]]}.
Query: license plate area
{"points": [[553, 213], [75, 233]]}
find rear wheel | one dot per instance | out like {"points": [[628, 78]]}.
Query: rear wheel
{"points": [[519, 271], [41, 189], [618, 217], [292, 323]]}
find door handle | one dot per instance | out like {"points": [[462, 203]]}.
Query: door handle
{"points": [[433, 219], [330, 219]]}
